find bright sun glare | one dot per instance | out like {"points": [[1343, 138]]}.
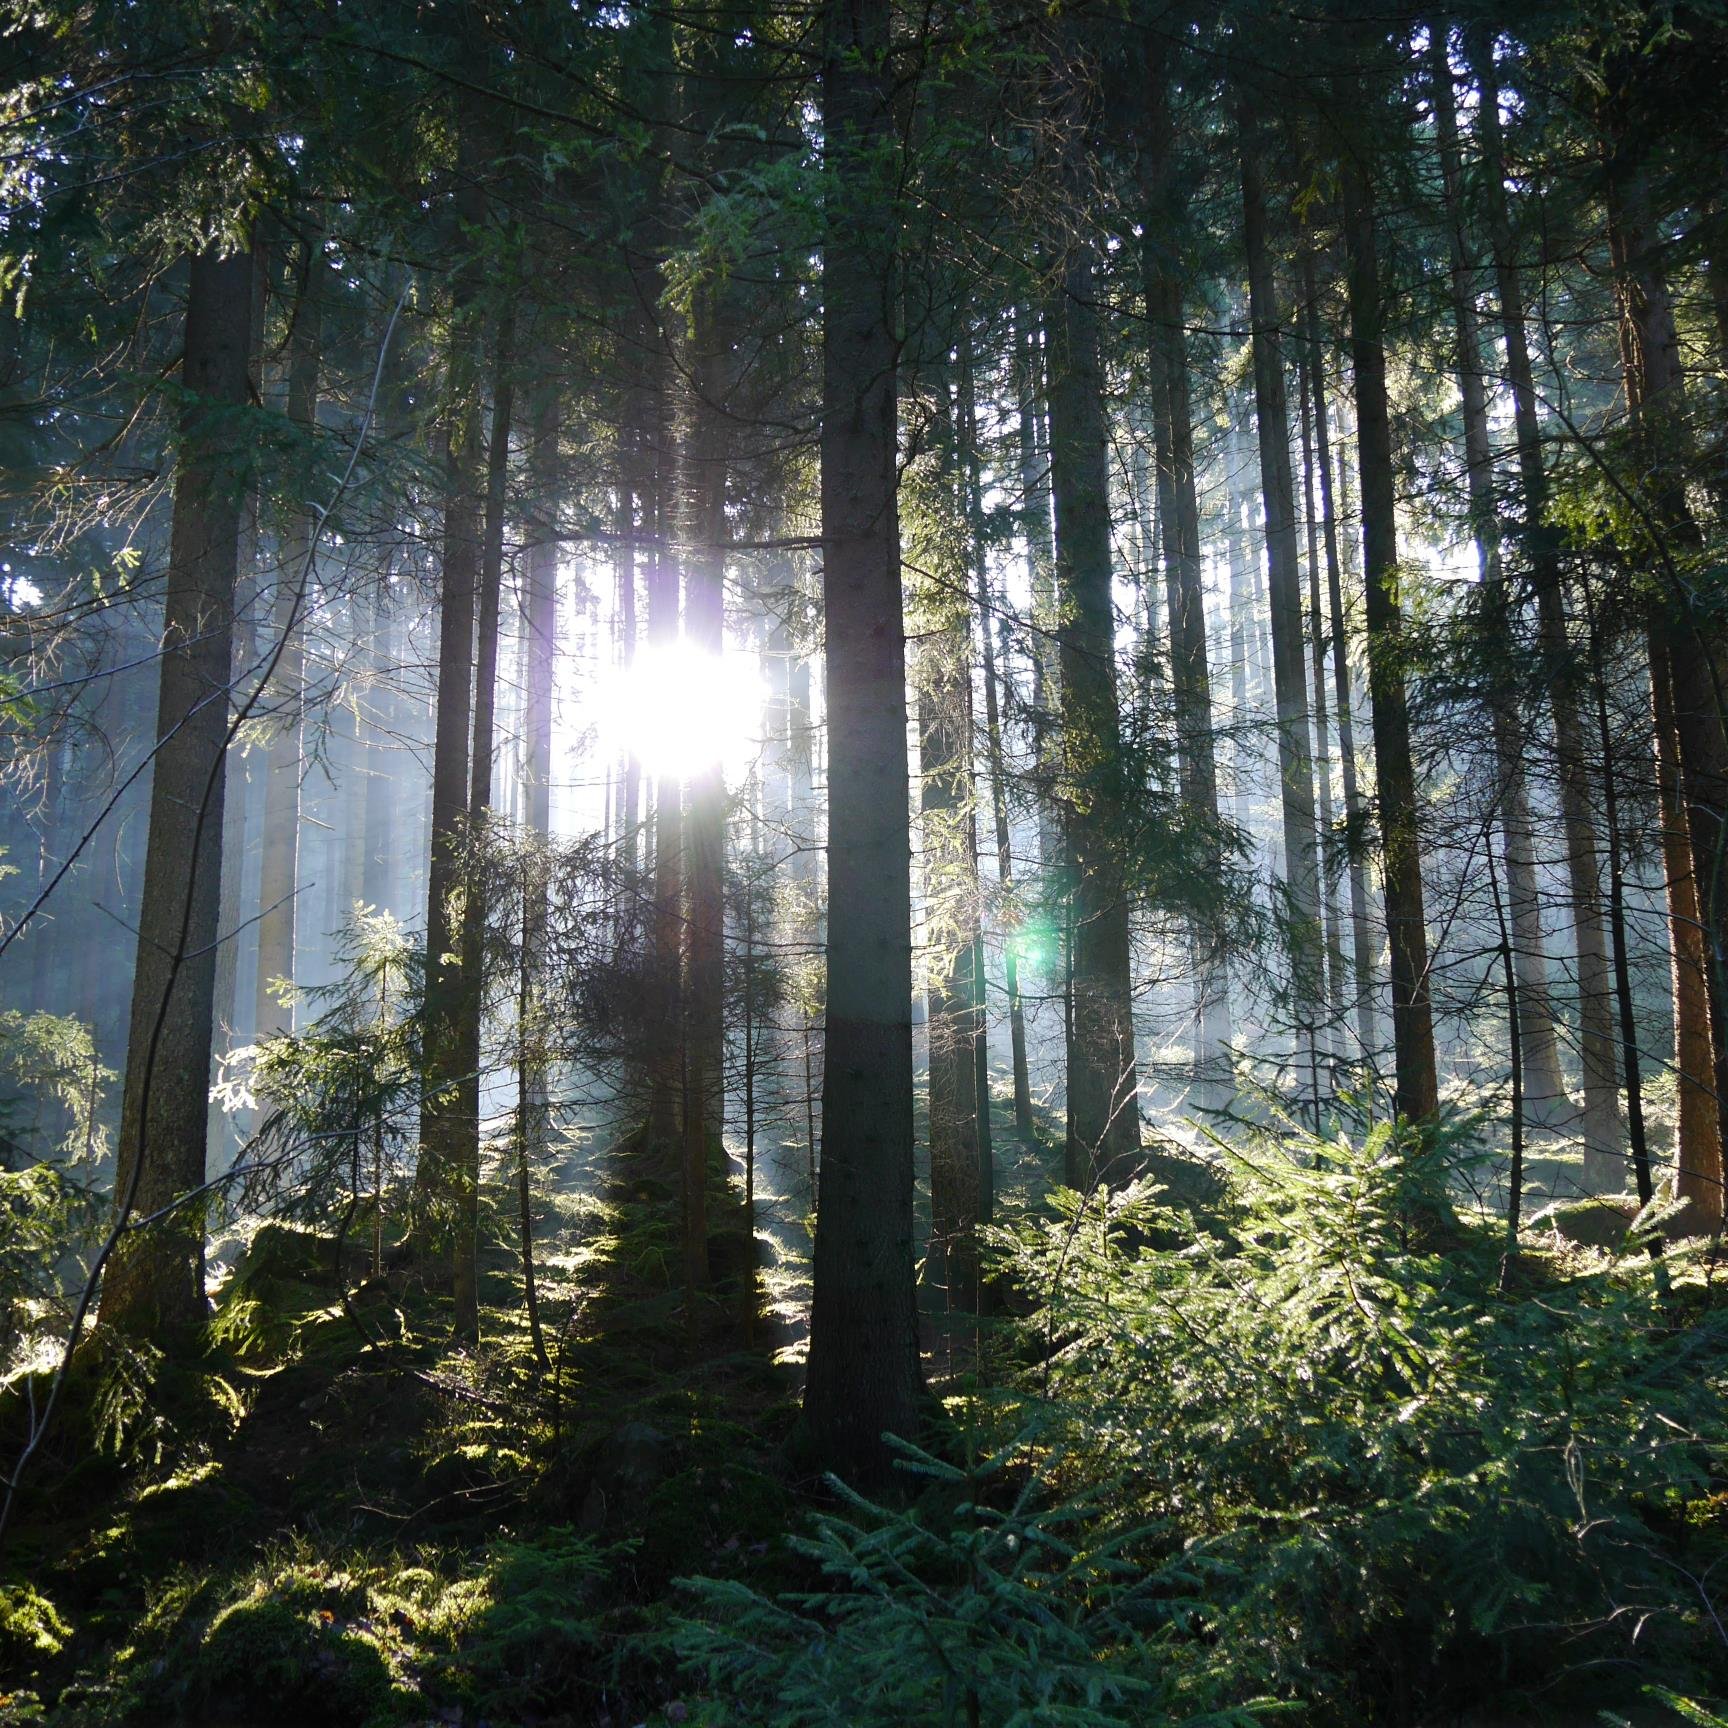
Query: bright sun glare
{"points": [[680, 709]]}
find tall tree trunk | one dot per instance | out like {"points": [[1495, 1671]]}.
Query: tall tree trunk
{"points": [[1698, 1137], [1318, 636], [470, 1025], [666, 925], [378, 813], [1417, 1093], [155, 1278], [630, 811], [1241, 626], [1041, 574], [1601, 1118], [1103, 1080], [950, 903], [540, 631], [995, 764], [286, 695], [443, 1134], [701, 543], [1543, 1089], [1636, 1144], [1184, 591], [1289, 676], [240, 821], [1147, 531], [1361, 933], [863, 1376], [1686, 677]]}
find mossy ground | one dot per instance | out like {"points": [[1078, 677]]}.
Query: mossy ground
{"points": [[321, 1526], [336, 1515]]}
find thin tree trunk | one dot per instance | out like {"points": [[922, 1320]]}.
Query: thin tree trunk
{"points": [[630, 815], [1041, 574], [471, 1021], [540, 628], [1698, 1134], [1241, 623], [1543, 1090], [1317, 639], [1629, 1064], [1355, 818], [1184, 592], [1601, 1117], [1103, 1081], [378, 815], [239, 820], [701, 541], [994, 762], [666, 931], [1515, 1066], [1417, 1081], [950, 905], [1290, 679], [286, 695]]}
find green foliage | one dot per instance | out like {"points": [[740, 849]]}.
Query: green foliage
{"points": [[532, 1632], [1685, 1708], [1396, 1477], [341, 1095], [48, 1062], [42, 1212], [52, 1086], [149, 1409], [996, 1601], [30, 1628]]}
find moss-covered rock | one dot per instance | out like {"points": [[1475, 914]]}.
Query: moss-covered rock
{"points": [[277, 1656]]}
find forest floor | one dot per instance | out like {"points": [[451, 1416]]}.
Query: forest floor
{"points": [[338, 1516]]}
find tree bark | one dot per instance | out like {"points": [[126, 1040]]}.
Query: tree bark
{"points": [[1103, 1083], [1698, 1132], [1417, 1095], [1686, 687], [1284, 580], [996, 766], [1041, 574], [1543, 1089], [470, 1025], [950, 911], [1601, 1115], [280, 860], [701, 543], [1361, 932], [155, 1278], [1318, 635], [540, 625], [666, 925], [863, 1375], [1184, 591], [443, 1134]]}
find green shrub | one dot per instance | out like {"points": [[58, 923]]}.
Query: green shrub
{"points": [[1410, 1482], [1001, 1602], [529, 1635]]}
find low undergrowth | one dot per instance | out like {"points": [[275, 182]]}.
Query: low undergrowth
{"points": [[1315, 1450]]}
